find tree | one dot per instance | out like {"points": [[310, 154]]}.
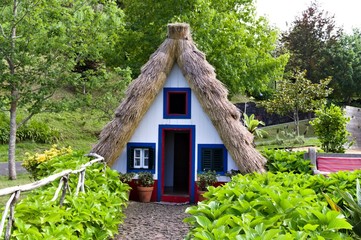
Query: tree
{"points": [[307, 41], [345, 67], [330, 128], [237, 43], [41, 43], [297, 94]]}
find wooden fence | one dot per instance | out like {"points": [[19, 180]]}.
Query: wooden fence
{"points": [[63, 186]]}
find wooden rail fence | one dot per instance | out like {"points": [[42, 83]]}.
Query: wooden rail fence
{"points": [[63, 186]]}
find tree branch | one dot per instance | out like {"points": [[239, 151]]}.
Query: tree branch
{"points": [[2, 31]]}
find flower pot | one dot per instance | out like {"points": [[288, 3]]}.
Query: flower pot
{"points": [[144, 193], [200, 195]]}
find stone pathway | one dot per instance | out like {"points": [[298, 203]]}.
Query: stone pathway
{"points": [[154, 221], [4, 170]]}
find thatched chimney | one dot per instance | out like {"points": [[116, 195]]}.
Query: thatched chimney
{"points": [[179, 31]]}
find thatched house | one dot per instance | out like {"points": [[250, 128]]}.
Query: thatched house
{"points": [[176, 121]]}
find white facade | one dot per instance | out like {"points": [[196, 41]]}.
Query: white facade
{"points": [[148, 129]]}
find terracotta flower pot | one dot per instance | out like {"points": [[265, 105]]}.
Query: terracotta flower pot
{"points": [[200, 195], [145, 193]]}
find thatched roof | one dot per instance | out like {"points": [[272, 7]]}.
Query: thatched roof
{"points": [[210, 92]]}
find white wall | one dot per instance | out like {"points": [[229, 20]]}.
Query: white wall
{"points": [[147, 130]]}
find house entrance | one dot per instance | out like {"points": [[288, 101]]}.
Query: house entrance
{"points": [[176, 171]]}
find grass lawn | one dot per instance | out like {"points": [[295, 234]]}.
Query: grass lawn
{"points": [[5, 183], [78, 130], [283, 136]]}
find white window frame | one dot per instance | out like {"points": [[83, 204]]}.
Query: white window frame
{"points": [[143, 158]]}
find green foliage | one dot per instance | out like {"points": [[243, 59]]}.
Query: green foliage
{"points": [[330, 128], [285, 161], [345, 67], [310, 36], [206, 179], [36, 131], [297, 94], [269, 206], [126, 177], [94, 214], [32, 162], [237, 42], [145, 179], [353, 207], [252, 125]]}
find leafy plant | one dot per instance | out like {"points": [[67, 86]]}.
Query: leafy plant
{"points": [[353, 207], [94, 214], [267, 206], [330, 128], [126, 177], [286, 161], [145, 179], [206, 179], [36, 131], [252, 126], [32, 162], [231, 173]]}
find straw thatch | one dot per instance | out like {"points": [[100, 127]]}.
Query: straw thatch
{"points": [[210, 92]]}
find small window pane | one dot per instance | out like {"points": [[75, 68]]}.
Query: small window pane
{"points": [[146, 163], [137, 153], [177, 103], [146, 153], [137, 163]]}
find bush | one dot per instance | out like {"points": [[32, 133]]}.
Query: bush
{"points": [[285, 161], [32, 162], [35, 131], [38, 132], [271, 206], [330, 128], [94, 214]]}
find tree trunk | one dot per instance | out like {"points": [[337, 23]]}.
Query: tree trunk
{"points": [[14, 99], [297, 122], [12, 140]]}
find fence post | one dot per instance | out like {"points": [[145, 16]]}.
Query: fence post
{"points": [[65, 187], [312, 155], [11, 215]]}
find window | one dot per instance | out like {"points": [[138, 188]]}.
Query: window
{"points": [[212, 157], [177, 103], [140, 156]]}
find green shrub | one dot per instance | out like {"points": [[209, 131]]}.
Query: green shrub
{"points": [[94, 214], [269, 206], [32, 162], [285, 161], [35, 131], [330, 128], [38, 132]]}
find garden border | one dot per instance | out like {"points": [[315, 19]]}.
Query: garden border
{"points": [[63, 185]]}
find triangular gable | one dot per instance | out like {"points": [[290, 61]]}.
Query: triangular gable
{"points": [[210, 92]]}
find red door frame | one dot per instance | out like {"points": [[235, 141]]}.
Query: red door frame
{"points": [[161, 162]]}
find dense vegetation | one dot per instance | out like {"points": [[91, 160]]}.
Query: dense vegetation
{"points": [[94, 214], [285, 203]]}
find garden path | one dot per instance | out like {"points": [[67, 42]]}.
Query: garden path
{"points": [[4, 169], [153, 221]]}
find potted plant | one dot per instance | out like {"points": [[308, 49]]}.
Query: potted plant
{"points": [[145, 186], [232, 173], [205, 180], [127, 178]]}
